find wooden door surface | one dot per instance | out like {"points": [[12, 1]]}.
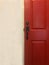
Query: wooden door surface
{"points": [[36, 16]]}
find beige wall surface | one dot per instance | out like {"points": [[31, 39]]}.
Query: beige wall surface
{"points": [[11, 32]]}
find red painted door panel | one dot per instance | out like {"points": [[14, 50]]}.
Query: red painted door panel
{"points": [[37, 45]]}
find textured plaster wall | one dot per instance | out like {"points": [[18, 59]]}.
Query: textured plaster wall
{"points": [[11, 32]]}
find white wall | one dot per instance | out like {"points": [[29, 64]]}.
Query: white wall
{"points": [[11, 32]]}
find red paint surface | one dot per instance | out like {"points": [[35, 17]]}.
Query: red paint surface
{"points": [[37, 45]]}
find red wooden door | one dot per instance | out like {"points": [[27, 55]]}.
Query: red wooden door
{"points": [[37, 37]]}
